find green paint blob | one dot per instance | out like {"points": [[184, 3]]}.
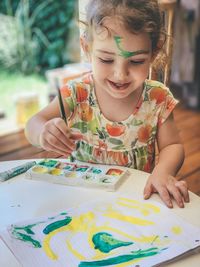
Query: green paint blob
{"points": [[124, 53], [27, 229], [105, 242], [122, 258], [26, 238], [56, 225], [48, 163]]}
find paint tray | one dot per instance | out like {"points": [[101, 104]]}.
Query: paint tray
{"points": [[78, 174]]}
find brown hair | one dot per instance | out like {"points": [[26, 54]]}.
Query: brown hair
{"points": [[136, 15]]}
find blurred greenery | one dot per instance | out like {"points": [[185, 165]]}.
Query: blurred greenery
{"points": [[34, 34], [16, 84]]}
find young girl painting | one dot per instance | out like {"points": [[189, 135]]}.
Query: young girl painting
{"points": [[115, 114]]}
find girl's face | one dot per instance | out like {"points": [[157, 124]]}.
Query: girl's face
{"points": [[120, 61]]}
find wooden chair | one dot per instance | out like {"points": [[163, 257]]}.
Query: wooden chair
{"points": [[168, 8]]}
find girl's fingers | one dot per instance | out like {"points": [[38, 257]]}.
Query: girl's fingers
{"points": [[148, 190], [57, 144], [62, 132], [58, 138], [60, 151], [183, 188], [176, 194], [164, 194]]}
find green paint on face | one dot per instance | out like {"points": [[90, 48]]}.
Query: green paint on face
{"points": [[105, 242], [139, 254], [124, 53], [26, 238], [56, 225]]}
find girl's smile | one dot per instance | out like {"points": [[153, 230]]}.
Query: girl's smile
{"points": [[119, 87]]}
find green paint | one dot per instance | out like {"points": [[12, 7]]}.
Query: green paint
{"points": [[48, 163], [63, 213], [122, 258], [56, 225], [26, 238], [105, 242], [124, 53], [27, 229]]}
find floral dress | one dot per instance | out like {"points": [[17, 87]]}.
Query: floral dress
{"points": [[129, 143]]}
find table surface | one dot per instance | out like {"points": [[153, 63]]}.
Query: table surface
{"points": [[16, 204]]}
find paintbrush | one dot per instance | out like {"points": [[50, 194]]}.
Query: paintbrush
{"points": [[62, 111], [61, 106]]}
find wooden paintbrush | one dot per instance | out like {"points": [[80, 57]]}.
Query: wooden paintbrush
{"points": [[61, 106], [62, 112]]}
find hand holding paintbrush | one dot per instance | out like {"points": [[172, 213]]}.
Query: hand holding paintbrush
{"points": [[63, 116]]}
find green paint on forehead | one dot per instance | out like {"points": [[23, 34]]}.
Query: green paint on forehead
{"points": [[124, 53]]}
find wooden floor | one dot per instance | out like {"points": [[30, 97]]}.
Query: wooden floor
{"points": [[15, 146], [188, 123]]}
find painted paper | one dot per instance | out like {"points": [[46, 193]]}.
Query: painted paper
{"points": [[119, 231]]}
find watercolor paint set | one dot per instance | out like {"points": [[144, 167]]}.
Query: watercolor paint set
{"points": [[78, 174]]}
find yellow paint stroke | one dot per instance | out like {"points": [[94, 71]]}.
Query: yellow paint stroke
{"points": [[130, 219], [143, 211], [145, 208], [177, 230], [47, 249], [75, 252]]}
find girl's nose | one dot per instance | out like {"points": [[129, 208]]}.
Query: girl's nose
{"points": [[120, 72]]}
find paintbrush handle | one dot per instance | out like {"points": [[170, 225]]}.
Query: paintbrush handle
{"points": [[61, 106]]}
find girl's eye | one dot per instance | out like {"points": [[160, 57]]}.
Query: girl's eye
{"points": [[106, 61], [137, 62]]}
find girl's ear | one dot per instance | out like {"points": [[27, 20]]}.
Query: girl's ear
{"points": [[85, 46]]}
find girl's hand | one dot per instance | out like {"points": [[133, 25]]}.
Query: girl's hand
{"points": [[56, 136], [168, 188]]}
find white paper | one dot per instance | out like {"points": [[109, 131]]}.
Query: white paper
{"points": [[125, 231]]}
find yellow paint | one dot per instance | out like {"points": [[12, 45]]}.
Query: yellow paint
{"points": [[74, 252], [40, 169], [47, 248], [71, 175], [177, 230], [56, 171], [144, 212], [145, 208], [130, 219]]}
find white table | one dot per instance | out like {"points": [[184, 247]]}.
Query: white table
{"points": [[16, 204]]}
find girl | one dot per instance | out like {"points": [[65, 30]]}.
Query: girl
{"points": [[115, 114]]}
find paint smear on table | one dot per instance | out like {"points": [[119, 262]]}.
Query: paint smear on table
{"points": [[118, 231]]}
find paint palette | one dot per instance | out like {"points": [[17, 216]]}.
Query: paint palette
{"points": [[78, 174]]}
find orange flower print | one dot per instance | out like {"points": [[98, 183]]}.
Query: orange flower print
{"points": [[81, 93], [65, 91], [144, 133], [86, 112], [147, 167], [86, 79], [158, 94], [115, 129]]}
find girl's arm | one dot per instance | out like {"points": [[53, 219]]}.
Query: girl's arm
{"points": [[171, 157]]}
